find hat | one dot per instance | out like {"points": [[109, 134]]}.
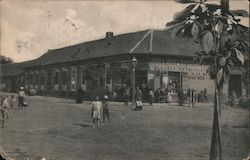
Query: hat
{"points": [[21, 88], [106, 97]]}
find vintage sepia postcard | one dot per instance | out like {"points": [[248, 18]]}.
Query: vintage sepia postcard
{"points": [[124, 80]]}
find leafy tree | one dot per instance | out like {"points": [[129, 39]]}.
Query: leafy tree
{"points": [[224, 43], [5, 60]]}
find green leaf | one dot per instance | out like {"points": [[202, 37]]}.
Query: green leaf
{"points": [[219, 75], [219, 27], [240, 56], [207, 41], [195, 30]]}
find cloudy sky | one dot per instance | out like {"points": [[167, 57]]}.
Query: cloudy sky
{"points": [[30, 28]]}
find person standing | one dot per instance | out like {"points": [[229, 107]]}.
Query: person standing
{"points": [[21, 95], [169, 96], [151, 96], [181, 97], [138, 98], [105, 105], [96, 111], [205, 95], [193, 97], [4, 111], [126, 96]]}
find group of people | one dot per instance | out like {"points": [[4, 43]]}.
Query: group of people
{"points": [[193, 96], [125, 94], [9, 102], [160, 95], [96, 106], [197, 96], [202, 96]]}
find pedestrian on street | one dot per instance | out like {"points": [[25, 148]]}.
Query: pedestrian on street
{"points": [[169, 91], [96, 112], [12, 101], [105, 105], [181, 97], [21, 96], [151, 96], [193, 97], [4, 111], [205, 95], [138, 97]]}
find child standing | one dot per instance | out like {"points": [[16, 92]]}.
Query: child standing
{"points": [[105, 105], [96, 112], [4, 111]]}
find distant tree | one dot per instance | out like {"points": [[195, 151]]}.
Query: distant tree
{"points": [[224, 43], [5, 60]]}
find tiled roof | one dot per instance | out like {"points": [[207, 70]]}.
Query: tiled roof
{"points": [[12, 69], [115, 45], [162, 44]]}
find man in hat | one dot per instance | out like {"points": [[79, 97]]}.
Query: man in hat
{"points": [[105, 105], [21, 95]]}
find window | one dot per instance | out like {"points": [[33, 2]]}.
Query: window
{"points": [[83, 77], [56, 78], [42, 78], [27, 78], [36, 77], [31, 79], [64, 77], [73, 79]]}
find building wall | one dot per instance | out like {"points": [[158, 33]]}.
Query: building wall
{"points": [[108, 74], [64, 80]]}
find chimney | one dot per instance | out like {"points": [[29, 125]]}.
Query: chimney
{"points": [[109, 34]]}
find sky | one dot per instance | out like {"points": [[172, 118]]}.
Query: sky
{"points": [[30, 28]]}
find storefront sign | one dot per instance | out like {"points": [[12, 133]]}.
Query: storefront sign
{"points": [[193, 71]]}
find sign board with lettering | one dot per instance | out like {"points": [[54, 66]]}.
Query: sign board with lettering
{"points": [[193, 71]]}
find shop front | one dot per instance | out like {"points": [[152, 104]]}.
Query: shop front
{"points": [[175, 76]]}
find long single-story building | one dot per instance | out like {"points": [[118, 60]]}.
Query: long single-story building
{"points": [[105, 65]]}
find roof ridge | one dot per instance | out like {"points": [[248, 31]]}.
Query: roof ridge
{"points": [[140, 41], [74, 45]]}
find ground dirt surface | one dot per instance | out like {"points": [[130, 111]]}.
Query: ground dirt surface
{"points": [[59, 129]]}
